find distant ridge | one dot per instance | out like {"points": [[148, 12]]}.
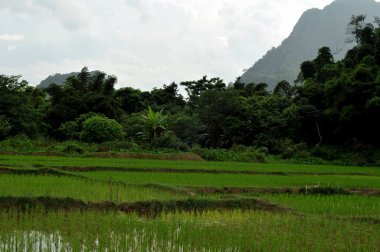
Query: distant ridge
{"points": [[58, 79], [316, 28]]}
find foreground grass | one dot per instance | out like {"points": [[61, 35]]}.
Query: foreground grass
{"points": [[236, 180], [212, 231], [38, 161]]}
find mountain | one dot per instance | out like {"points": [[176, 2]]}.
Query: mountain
{"points": [[59, 79], [56, 78], [316, 28]]}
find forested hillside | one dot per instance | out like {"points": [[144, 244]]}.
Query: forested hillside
{"points": [[335, 104], [315, 29]]}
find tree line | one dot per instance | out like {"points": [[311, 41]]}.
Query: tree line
{"points": [[331, 103]]}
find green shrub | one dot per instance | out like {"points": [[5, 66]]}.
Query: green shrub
{"points": [[306, 160], [326, 152], [69, 130], [73, 149], [237, 154], [187, 127], [239, 148], [168, 140], [116, 145], [17, 143], [100, 129], [133, 126], [288, 149], [355, 154]]}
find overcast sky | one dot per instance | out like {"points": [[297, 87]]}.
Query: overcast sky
{"points": [[145, 43]]}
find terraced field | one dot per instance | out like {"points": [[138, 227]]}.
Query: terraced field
{"points": [[112, 204]]}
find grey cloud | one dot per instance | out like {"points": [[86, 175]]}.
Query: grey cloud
{"points": [[144, 42], [73, 15]]}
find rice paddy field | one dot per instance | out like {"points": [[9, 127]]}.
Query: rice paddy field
{"points": [[52, 203]]}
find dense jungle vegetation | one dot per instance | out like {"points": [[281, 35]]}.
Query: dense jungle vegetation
{"points": [[330, 113]]}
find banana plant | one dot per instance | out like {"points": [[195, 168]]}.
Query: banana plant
{"points": [[154, 123]]}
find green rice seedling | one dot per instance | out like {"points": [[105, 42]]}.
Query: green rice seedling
{"points": [[209, 231], [317, 220], [38, 161], [236, 180], [76, 188], [337, 205]]}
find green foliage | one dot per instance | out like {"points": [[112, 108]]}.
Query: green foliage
{"points": [[352, 154], [287, 149], [168, 98], [368, 60], [130, 100], [239, 153], [195, 89], [81, 94], [341, 98], [118, 146], [73, 149], [225, 115], [22, 107], [168, 140], [332, 104], [326, 152], [187, 127], [5, 127], [19, 143], [71, 130], [283, 88], [363, 73], [374, 103], [101, 129], [362, 32], [22, 143], [133, 126]]}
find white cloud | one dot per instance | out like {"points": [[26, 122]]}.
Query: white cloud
{"points": [[144, 42], [11, 47], [13, 37]]}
